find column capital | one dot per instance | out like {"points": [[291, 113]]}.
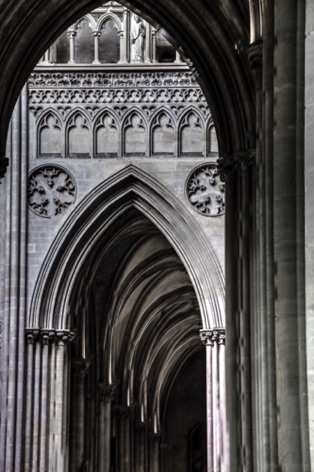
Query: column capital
{"points": [[107, 392], [211, 336], [239, 162], [47, 335], [80, 367], [32, 335], [96, 34], [255, 55], [4, 162], [71, 33]]}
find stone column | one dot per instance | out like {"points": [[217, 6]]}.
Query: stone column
{"points": [[96, 35], [71, 35], [289, 18], [106, 396], [154, 54], [46, 441], [228, 167], [13, 304], [215, 398], [31, 336], [206, 337], [309, 213], [125, 38], [61, 401], [79, 369]]}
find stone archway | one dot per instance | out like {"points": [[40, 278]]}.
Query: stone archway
{"points": [[154, 305]]}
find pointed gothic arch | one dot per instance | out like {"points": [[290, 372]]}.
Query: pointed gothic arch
{"points": [[129, 188]]}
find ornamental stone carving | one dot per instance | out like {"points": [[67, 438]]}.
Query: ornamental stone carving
{"points": [[205, 190], [211, 336], [51, 189]]}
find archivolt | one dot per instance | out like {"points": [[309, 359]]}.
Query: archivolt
{"points": [[83, 231]]}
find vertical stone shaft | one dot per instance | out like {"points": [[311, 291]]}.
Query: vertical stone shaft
{"points": [[288, 233], [232, 316]]}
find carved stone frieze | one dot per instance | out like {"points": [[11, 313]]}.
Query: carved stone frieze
{"points": [[51, 189], [119, 95], [205, 190], [111, 80]]}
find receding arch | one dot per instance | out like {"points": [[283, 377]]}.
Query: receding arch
{"points": [[129, 188]]}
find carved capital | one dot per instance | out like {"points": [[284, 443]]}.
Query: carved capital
{"points": [[64, 336], [107, 392], [47, 336], [228, 167], [80, 367], [96, 34], [71, 34], [4, 162], [211, 336], [255, 55], [32, 335], [239, 163]]}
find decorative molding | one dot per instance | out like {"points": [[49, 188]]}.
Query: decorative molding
{"points": [[90, 80], [118, 95], [205, 190], [211, 336], [4, 162], [46, 336], [51, 189]]}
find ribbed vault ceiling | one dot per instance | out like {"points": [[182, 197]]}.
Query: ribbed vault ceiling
{"points": [[140, 318]]}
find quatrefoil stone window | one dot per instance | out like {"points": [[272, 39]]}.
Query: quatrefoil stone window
{"points": [[205, 191], [51, 190]]}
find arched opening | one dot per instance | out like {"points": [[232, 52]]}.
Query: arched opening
{"points": [[124, 282], [137, 322]]}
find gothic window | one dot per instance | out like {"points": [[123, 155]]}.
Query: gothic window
{"points": [[78, 136], [109, 42], [192, 135], [165, 52], [163, 134], [135, 135], [84, 43], [213, 143], [107, 136], [62, 49], [49, 136]]}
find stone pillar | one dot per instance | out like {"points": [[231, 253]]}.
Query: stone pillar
{"points": [[46, 418], [96, 35], [71, 36], [154, 55], [106, 395], [309, 214], [13, 304], [289, 18], [228, 167], [125, 46], [214, 341], [206, 337], [79, 370]]}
